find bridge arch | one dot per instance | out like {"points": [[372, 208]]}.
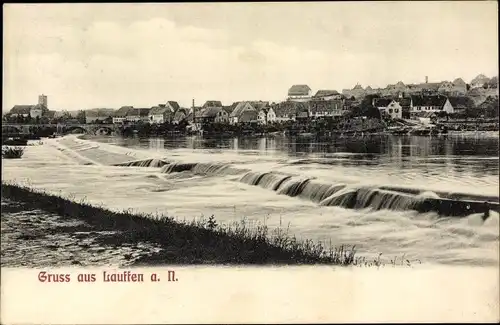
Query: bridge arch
{"points": [[103, 129], [68, 129]]}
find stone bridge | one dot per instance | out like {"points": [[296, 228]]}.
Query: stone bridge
{"points": [[10, 128]]}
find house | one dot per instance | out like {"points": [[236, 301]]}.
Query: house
{"points": [[271, 114], [349, 104], [370, 91], [436, 103], [163, 112], [61, 114], [120, 115], [287, 111], [388, 107], [424, 88], [238, 116], [356, 92], [459, 87], [397, 89], [212, 103], [480, 81], [179, 116], [299, 93], [327, 108], [446, 87], [213, 114], [38, 110], [227, 109], [160, 114], [258, 105], [21, 110], [99, 115], [138, 114], [29, 110], [461, 103], [326, 95], [250, 116], [406, 106], [262, 116]]}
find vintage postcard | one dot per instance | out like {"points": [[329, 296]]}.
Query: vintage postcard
{"points": [[296, 162]]}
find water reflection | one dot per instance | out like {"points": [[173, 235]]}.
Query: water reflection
{"points": [[431, 155]]}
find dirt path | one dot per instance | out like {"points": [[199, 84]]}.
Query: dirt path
{"points": [[35, 238]]}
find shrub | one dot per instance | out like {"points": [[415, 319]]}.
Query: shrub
{"points": [[12, 152]]}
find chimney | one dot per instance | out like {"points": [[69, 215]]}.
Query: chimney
{"points": [[426, 79], [194, 113]]}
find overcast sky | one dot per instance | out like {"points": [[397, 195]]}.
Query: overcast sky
{"points": [[109, 55]]}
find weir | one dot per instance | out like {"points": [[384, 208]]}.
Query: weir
{"points": [[145, 163], [219, 169], [351, 197], [449, 195]]}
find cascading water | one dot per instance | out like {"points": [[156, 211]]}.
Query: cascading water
{"points": [[270, 181], [156, 163], [177, 168], [345, 197], [317, 192], [220, 169], [362, 197], [382, 199], [294, 187]]}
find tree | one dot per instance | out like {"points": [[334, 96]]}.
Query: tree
{"points": [[366, 108], [81, 117], [489, 108]]}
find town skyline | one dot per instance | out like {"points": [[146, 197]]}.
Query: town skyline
{"points": [[96, 56]]}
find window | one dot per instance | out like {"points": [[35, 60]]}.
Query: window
{"points": [[396, 110], [390, 110]]}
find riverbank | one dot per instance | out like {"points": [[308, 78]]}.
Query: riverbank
{"points": [[82, 229]]}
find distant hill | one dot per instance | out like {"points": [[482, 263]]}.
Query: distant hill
{"points": [[101, 111]]}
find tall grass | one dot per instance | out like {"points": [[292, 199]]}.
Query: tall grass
{"points": [[12, 152], [198, 241]]}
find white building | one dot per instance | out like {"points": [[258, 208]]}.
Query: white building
{"points": [[431, 104], [327, 108], [389, 107], [299, 93], [271, 116], [163, 112]]}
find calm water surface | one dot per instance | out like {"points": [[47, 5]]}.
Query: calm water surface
{"points": [[467, 159]]}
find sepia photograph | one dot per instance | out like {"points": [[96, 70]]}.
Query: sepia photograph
{"points": [[265, 162]]}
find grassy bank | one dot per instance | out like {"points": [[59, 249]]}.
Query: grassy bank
{"points": [[196, 242]]}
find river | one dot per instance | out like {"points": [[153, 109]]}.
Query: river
{"points": [[219, 182]]}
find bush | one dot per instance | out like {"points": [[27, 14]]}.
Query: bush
{"points": [[12, 152]]}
